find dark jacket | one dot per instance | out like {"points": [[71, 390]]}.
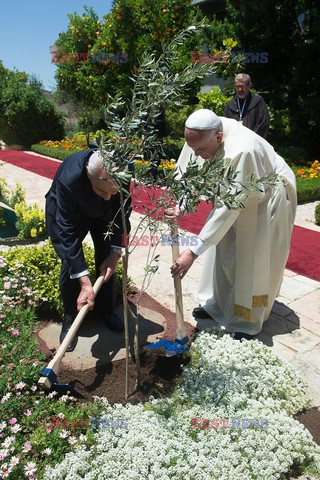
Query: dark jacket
{"points": [[256, 116], [73, 209]]}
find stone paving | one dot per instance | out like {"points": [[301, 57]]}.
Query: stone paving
{"points": [[292, 331]]}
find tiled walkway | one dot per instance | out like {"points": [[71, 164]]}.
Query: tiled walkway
{"points": [[293, 329]]}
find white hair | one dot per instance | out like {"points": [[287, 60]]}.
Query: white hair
{"points": [[218, 129], [95, 164], [243, 76]]}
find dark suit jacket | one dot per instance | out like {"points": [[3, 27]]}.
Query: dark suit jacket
{"points": [[73, 209], [256, 116]]}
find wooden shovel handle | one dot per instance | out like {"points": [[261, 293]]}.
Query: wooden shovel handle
{"points": [[181, 331], [55, 362]]}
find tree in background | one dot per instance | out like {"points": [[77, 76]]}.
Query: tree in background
{"points": [[132, 29], [289, 32], [26, 116]]}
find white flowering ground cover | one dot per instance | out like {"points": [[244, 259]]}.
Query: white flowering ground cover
{"points": [[225, 379]]}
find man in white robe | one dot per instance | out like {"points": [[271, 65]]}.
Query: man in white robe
{"points": [[246, 248]]}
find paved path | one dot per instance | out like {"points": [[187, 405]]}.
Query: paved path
{"points": [[292, 331]]}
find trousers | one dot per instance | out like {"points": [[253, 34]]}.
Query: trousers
{"points": [[70, 288]]}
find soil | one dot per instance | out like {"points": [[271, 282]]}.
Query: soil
{"points": [[158, 372], [311, 420]]}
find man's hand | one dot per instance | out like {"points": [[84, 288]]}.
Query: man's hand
{"points": [[109, 266], [86, 295], [183, 263], [173, 213]]}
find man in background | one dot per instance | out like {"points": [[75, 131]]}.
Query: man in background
{"points": [[248, 108]]}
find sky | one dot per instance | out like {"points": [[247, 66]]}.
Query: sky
{"points": [[29, 28]]}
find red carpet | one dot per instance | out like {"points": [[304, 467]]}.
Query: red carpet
{"points": [[192, 223], [303, 258], [33, 163]]}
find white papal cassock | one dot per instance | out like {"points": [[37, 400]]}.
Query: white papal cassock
{"points": [[249, 247]]}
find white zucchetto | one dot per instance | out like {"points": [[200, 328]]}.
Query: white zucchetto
{"points": [[203, 119]]}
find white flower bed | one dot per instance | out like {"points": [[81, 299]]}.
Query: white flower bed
{"points": [[226, 379]]}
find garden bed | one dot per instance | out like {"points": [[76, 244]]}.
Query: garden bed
{"points": [[223, 378], [159, 373], [170, 438]]}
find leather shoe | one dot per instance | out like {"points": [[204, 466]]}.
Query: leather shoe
{"points": [[241, 335], [200, 312], [115, 323], [64, 330]]}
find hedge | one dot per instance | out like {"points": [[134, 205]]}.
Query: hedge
{"points": [[52, 152]]}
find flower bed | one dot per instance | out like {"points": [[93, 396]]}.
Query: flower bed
{"points": [[29, 279], [188, 436], [27, 441], [312, 171], [59, 149], [308, 181], [192, 435], [229, 384], [63, 148]]}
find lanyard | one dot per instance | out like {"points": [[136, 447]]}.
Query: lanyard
{"points": [[241, 110]]}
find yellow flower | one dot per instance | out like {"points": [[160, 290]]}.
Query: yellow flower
{"points": [[33, 232]]}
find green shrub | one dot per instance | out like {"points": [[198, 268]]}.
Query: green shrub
{"points": [[293, 155], [308, 190], [175, 119], [93, 135], [52, 152], [42, 267], [26, 116], [30, 221], [214, 100], [172, 147], [40, 264], [22, 346], [8, 197], [317, 214], [279, 127], [62, 153], [71, 130]]}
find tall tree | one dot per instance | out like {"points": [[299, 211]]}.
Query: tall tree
{"points": [[26, 116], [131, 29]]}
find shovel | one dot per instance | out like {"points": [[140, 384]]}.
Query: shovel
{"points": [[179, 345], [49, 378]]}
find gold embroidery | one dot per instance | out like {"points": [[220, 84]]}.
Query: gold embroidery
{"points": [[259, 301], [243, 312]]}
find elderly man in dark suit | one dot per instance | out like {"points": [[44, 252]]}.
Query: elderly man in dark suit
{"points": [[85, 198]]}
